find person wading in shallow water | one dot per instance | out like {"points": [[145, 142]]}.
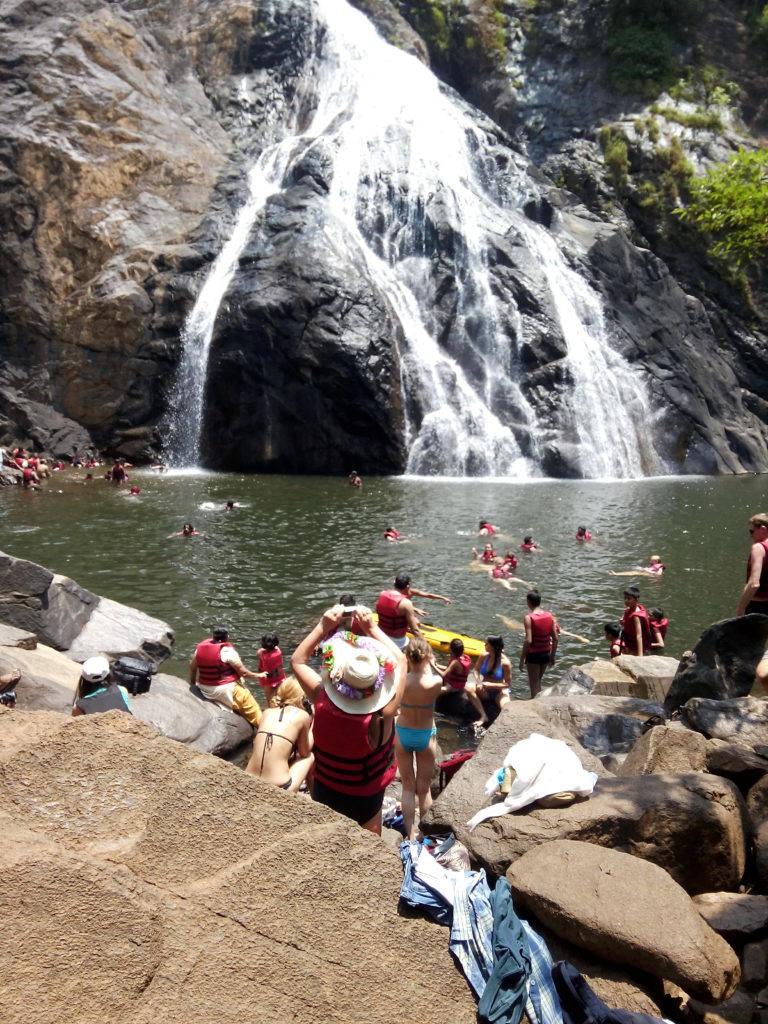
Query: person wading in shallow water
{"points": [[397, 615], [540, 646]]}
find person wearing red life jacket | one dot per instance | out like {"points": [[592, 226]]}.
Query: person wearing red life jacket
{"points": [[396, 612], [356, 697], [455, 677], [217, 670], [485, 529], [487, 555], [583, 534], [29, 478], [754, 596], [510, 560], [540, 645], [635, 627], [613, 636], [655, 567], [658, 624], [270, 672], [529, 544], [391, 534]]}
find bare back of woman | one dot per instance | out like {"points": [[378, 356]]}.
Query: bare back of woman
{"points": [[415, 732], [282, 748]]}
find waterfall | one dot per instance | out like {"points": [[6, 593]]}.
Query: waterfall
{"points": [[405, 154]]}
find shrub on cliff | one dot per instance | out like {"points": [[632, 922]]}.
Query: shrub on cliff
{"points": [[730, 204]]}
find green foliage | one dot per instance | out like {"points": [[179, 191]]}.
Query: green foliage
{"points": [[699, 119], [615, 154], [641, 40], [431, 19], [653, 130], [706, 84], [757, 22], [730, 204]]}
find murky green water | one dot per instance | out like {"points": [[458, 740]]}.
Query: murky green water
{"points": [[298, 542]]}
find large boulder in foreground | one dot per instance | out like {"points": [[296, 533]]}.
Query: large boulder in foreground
{"points": [[626, 910], [48, 682], [723, 662], [69, 618], [186, 890]]}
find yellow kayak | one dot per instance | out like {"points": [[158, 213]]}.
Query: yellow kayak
{"points": [[440, 639]]}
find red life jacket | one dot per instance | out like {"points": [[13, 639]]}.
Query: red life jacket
{"points": [[211, 670], [762, 592], [393, 534], [628, 630], [487, 556], [490, 530], [541, 632], [585, 536], [344, 758], [456, 678], [617, 643], [390, 622], [511, 561], [527, 547], [661, 625], [501, 572], [271, 662]]}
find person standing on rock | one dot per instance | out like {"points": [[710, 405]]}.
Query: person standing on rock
{"points": [[540, 645], [217, 670], [356, 698], [754, 596], [415, 732], [397, 615], [635, 625]]}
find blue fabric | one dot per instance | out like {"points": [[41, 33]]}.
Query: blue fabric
{"points": [[472, 929], [414, 740], [542, 1005], [581, 1005], [415, 893], [503, 999]]}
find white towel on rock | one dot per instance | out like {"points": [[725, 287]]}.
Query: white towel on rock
{"points": [[543, 766]]}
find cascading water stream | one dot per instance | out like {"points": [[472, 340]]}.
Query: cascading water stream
{"points": [[404, 154]]}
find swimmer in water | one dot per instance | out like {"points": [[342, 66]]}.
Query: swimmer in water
{"points": [[187, 530], [655, 567], [229, 506], [391, 534], [529, 544], [583, 534]]}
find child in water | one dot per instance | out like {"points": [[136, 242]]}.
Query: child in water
{"points": [[270, 671], [658, 628], [613, 636]]}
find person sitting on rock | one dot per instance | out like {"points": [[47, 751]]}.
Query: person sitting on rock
{"points": [[493, 672], [216, 668], [8, 682], [96, 690], [455, 677], [285, 763]]}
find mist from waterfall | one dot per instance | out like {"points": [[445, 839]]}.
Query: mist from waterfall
{"points": [[399, 148]]}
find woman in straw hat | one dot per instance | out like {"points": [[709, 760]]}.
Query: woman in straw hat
{"points": [[282, 748], [356, 698]]}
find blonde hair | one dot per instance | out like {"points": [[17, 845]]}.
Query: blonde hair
{"points": [[417, 650], [761, 519], [289, 692]]}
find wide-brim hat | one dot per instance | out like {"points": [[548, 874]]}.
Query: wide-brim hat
{"points": [[358, 673]]}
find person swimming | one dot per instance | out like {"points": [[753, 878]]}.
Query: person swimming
{"points": [[583, 534]]}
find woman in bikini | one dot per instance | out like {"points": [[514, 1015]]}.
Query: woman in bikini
{"points": [[284, 731], [493, 671], [415, 732]]}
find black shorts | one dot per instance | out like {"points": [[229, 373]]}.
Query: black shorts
{"points": [[359, 808], [538, 658], [756, 608]]}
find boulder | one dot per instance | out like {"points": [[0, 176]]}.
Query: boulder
{"points": [[69, 618], [602, 725], [660, 818], [736, 915], [627, 910], [666, 749], [186, 890], [723, 662], [739, 1009], [651, 676], [754, 964], [745, 718], [741, 765], [757, 806], [12, 637]]}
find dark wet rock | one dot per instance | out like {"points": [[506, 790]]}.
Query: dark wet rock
{"points": [[722, 664], [745, 719]]}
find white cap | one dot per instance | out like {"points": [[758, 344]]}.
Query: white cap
{"points": [[95, 670]]}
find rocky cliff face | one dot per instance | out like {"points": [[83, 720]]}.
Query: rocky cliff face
{"points": [[127, 131]]}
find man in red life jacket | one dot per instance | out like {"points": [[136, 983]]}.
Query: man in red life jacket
{"points": [[754, 596], [397, 615], [216, 668], [635, 628]]}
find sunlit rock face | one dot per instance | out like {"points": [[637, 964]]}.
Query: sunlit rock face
{"points": [[408, 293]]}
